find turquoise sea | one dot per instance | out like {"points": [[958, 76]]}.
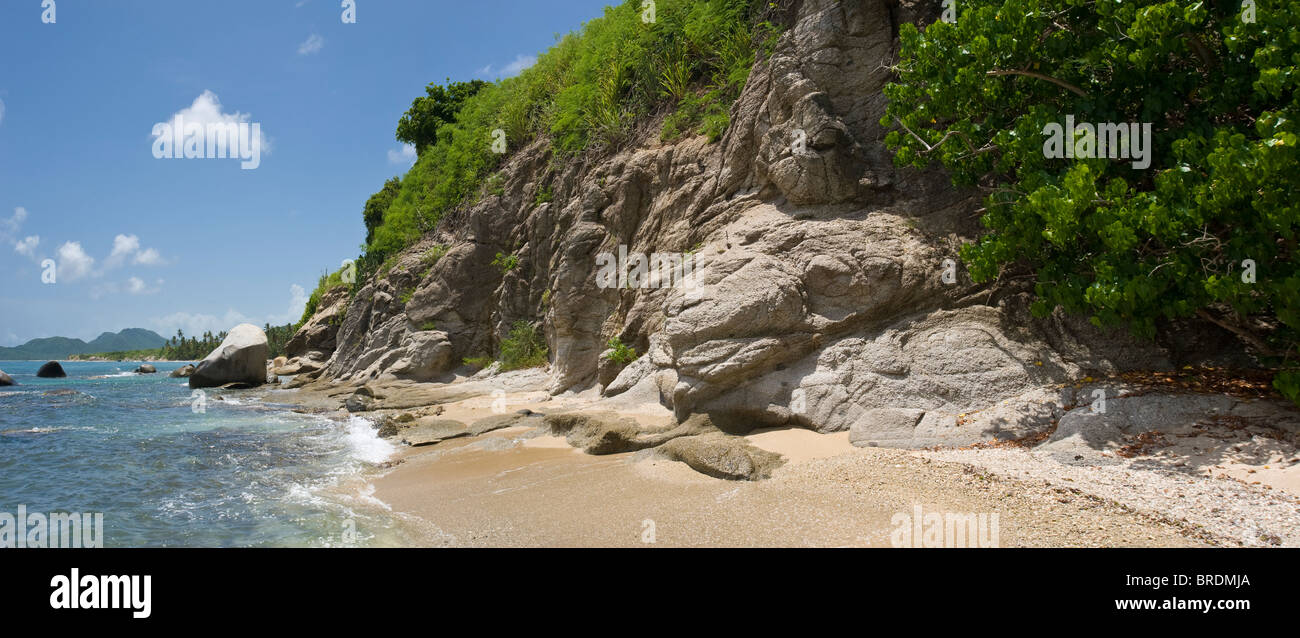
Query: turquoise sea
{"points": [[243, 471]]}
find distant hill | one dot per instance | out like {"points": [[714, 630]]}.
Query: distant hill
{"points": [[63, 347]]}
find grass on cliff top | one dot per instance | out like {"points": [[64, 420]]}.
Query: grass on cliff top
{"points": [[327, 282], [586, 92]]}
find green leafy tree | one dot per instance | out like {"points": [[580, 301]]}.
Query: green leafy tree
{"points": [[1208, 229], [378, 204], [419, 127]]}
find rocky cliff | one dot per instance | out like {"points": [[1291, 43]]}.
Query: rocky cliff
{"points": [[824, 288]]}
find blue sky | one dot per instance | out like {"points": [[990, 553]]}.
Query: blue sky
{"points": [[202, 244]]}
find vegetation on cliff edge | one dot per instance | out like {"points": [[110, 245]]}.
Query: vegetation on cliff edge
{"points": [[586, 92], [1208, 229]]}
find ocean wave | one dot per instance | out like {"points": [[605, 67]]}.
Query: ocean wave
{"points": [[115, 375], [364, 442], [46, 430]]}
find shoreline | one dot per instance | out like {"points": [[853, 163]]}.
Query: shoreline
{"points": [[524, 486]]}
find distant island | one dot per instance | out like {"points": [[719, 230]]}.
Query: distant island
{"points": [[182, 348], [51, 348], [135, 344]]}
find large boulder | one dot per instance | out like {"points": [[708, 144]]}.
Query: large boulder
{"points": [[51, 370], [146, 369], [183, 371], [6, 379], [241, 358]]}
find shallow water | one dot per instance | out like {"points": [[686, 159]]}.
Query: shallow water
{"points": [[241, 471]]}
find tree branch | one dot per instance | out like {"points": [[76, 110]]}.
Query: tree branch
{"points": [[1061, 83], [1245, 335]]}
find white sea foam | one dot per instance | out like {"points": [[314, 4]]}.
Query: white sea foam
{"points": [[364, 441]]}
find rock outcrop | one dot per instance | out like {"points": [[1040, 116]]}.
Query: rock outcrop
{"points": [[146, 369], [821, 285], [6, 379], [183, 372], [240, 359], [51, 370]]}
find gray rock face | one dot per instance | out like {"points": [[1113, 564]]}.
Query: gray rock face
{"points": [[51, 370], [183, 372], [6, 379], [817, 296], [885, 423], [241, 358], [317, 334]]}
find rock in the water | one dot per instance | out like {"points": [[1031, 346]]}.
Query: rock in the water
{"points": [[359, 403], [241, 358], [146, 369], [6, 379], [183, 372], [51, 370]]}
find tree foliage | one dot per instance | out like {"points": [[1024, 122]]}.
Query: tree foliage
{"points": [[377, 205], [1209, 229], [430, 112]]}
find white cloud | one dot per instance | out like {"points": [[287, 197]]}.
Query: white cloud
{"points": [[297, 303], [404, 156], [520, 63], [313, 44], [136, 286], [132, 286], [10, 227], [123, 246], [27, 246], [148, 257], [74, 263], [207, 110], [198, 323], [127, 246]]}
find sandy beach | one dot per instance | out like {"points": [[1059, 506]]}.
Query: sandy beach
{"points": [[525, 487], [1211, 483]]}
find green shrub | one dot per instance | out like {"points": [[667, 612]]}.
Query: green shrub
{"points": [[505, 263], [496, 185], [543, 195], [1101, 237], [432, 255], [524, 347], [478, 362], [622, 354]]}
